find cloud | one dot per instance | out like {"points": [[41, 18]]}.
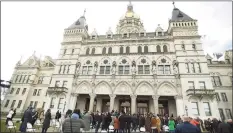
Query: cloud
{"points": [[29, 26]]}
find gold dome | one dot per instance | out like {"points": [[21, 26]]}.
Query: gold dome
{"points": [[130, 15]]}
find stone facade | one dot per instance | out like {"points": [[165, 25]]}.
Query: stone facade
{"points": [[132, 70]]}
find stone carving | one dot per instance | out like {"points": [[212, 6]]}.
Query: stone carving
{"points": [[155, 97], [95, 67], [114, 67], [175, 67], [153, 67], [78, 65], [134, 70]]}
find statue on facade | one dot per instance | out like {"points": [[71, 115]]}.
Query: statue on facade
{"points": [[133, 70], [153, 67], [78, 65], [175, 67], [114, 67], [95, 67]]}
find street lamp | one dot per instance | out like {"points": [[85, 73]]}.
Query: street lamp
{"points": [[186, 109]]}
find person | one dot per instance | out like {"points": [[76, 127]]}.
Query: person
{"points": [[87, 119], [73, 124], [27, 118], [141, 121], [98, 119], [171, 125], [122, 121], [224, 128], [41, 116], [9, 116], [193, 122], [134, 122], [158, 123], [186, 127], [147, 123], [13, 115], [47, 119], [153, 124], [34, 116], [57, 115], [230, 123], [215, 123], [116, 124], [128, 123]]}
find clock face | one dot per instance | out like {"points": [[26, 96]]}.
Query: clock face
{"points": [[30, 62]]}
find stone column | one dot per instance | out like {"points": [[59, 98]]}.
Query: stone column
{"points": [[99, 104], [179, 105], [73, 100], [92, 100], [133, 103], [112, 99], [156, 103]]}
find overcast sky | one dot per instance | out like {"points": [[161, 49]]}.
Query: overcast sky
{"points": [[38, 26]]}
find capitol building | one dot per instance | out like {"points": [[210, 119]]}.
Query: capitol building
{"points": [[164, 72]]}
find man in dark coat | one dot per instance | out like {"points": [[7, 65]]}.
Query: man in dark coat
{"points": [[47, 119], [98, 119], [122, 120], [224, 128], [27, 117], [230, 123], [134, 122], [186, 127]]}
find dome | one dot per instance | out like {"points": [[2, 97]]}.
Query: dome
{"points": [[130, 15]]}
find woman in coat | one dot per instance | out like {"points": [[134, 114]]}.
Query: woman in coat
{"points": [[148, 123], [116, 124], [171, 125], [87, 121], [158, 124], [46, 123], [153, 124], [27, 118], [41, 116]]}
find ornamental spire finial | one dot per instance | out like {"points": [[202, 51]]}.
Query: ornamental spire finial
{"points": [[174, 4], [84, 12]]}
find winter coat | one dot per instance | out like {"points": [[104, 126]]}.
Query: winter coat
{"points": [[158, 124], [116, 123], [87, 119], [47, 119], [171, 125], [186, 127], [27, 117], [11, 112], [224, 128], [147, 124], [76, 125], [153, 122]]}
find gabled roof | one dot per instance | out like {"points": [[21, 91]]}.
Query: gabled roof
{"points": [[32, 61], [109, 32], [178, 15], [94, 33], [80, 23], [208, 56], [159, 29]]}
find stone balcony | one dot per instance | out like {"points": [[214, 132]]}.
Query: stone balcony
{"points": [[57, 90], [200, 93]]}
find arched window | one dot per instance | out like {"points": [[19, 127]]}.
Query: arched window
{"points": [[110, 50], [123, 67], [121, 50], [158, 49], [87, 52], [139, 49], [127, 49], [104, 51], [143, 66], [164, 48], [64, 52], [105, 67], [93, 51], [87, 68], [145, 49]]}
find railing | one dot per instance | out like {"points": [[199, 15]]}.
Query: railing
{"points": [[200, 92], [57, 90]]}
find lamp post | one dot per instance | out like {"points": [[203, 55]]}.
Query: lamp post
{"points": [[64, 107], [186, 109]]}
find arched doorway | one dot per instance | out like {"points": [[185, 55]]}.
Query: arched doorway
{"points": [[125, 106]]}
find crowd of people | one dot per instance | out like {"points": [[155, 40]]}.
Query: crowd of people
{"points": [[120, 122]]}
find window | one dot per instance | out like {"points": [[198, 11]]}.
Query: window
{"points": [[20, 78], [187, 67], [87, 70], [110, 50], [228, 61], [13, 104], [125, 35], [38, 93], [217, 97], [87, 51], [59, 71], [194, 46], [16, 79], [68, 69], [57, 83], [24, 90], [72, 51], [159, 33], [35, 104], [64, 84], [209, 61], [104, 51], [43, 105], [123, 69], [28, 78], [52, 102], [195, 110], [207, 108], [40, 81], [7, 102], [17, 92], [64, 52], [143, 69], [31, 103], [202, 85], [164, 69], [198, 68], [165, 48], [93, 37], [127, 50], [228, 113], [224, 97], [64, 68], [19, 103], [60, 104], [142, 34], [109, 36], [216, 81], [145, 49], [93, 51], [221, 114], [183, 47], [12, 90], [192, 68], [121, 50], [139, 49], [105, 69], [34, 93], [158, 49], [24, 78], [191, 84]]}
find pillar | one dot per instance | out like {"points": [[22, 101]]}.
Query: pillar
{"points": [[92, 100], [73, 100], [156, 104], [99, 104], [179, 105], [133, 103], [112, 99]]}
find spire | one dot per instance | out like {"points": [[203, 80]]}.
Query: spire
{"points": [[174, 4], [130, 7], [84, 12], [178, 15]]}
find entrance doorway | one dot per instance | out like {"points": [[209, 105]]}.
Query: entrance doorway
{"points": [[142, 107], [167, 105], [105, 105], [125, 105]]}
